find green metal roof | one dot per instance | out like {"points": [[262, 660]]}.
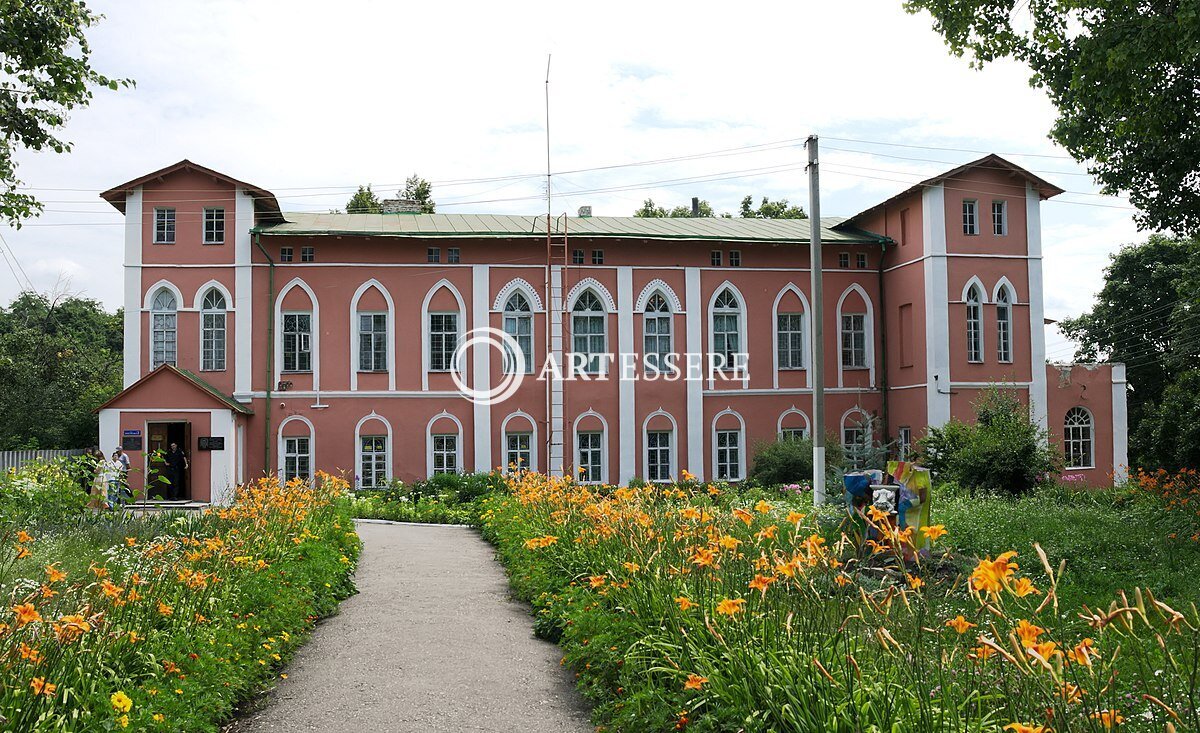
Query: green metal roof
{"points": [[512, 226]]}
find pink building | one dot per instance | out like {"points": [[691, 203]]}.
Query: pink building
{"points": [[264, 341]]}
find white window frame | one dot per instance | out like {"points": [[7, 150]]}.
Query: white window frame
{"points": [[214, 225], [653, 353], [780, 430], [379, 460], [512, 319], [292, 455], [1000, 218], [740, 432], [672, 448], [852, 333], [446, 350], [790, 341], [796, 434], [377, 337], [373, 422], [283, 449], [860, 260], [520, 456], [164, 321], [445, 446], [532, 430], [974, 324], [594, 364], [843, 260], [164, 225], [903, 442], [1079, 437], [657, 470], [596, 452], [308, 254], [970, 217], [735, 258], [738, 313], [286, 254], [214, 319], [430, 433], [303, 345], [1004, 325]]}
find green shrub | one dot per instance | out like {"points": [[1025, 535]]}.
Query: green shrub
{"points": [[791, 461], [42, 491], [1004, 451]]}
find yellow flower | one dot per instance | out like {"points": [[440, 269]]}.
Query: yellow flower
{"points": [[40, 686], [1023, 728], [596, 581], [762, 507], [1023, 587], [26, 614], [1083, 653], [53, 574], [934, 532], [164, 609], [731, 607], [695, 682], [24, 537], [761, 583], [1028, 633], [744, 515], [631, 567], [990, 575], [960, 624], [795, 517], [684, 603], [915, 581], [729, 542], [1108, 718], [159, 717], [121, 702]]}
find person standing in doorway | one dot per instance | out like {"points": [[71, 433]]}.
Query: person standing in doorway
{"points": [[177, 465]]}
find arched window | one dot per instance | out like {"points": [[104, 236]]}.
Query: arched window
{"points": [[1003, 327], [1078, 444], [518, 323], [974, 325], [163, 329], [212, 331], [588, 331], [727, 315], [656, 333]]}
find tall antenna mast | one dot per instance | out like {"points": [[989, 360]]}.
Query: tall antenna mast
{"points": [[548, 203]]}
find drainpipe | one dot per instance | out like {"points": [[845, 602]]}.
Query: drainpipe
{"points": [[270, 372], [883, 342]]}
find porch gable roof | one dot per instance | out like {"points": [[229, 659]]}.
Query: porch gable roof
{"points": [[168, 371]]}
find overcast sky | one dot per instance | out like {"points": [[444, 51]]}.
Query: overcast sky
{"points": [[310, 99]]}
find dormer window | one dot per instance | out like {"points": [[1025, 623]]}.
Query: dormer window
{"points": [[214, 226], [164, 226]]}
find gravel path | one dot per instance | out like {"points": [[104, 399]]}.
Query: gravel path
{"points": [[432, 642]]}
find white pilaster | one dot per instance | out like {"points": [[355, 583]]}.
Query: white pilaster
{"points": [[243, 296], [937, 306], [626, 427], [481, 364], [556, 407], [133, 286], [695, 386], [110, 430], [223, 463], [1120, 424], [1037, 315]]}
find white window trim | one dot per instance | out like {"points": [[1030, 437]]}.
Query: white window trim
{"points": [[591, 283], [314, 340], [741, 444], [151, 296], [174, 221], [793, 410], [425, 313], [428, 337], [604, 462], [670, 316], [864, 419], [391, 332], [975, 218], [806, 321], [1091, 424], [1006, 287], [868, 335], [522, 286], [673, 467], [458, 444], [204, 225], [974, 285], [311, 343], [312, 445], [602, 314], [533, 439], [1003, 218], [226, 311], [358, 435], [148, 299], [743, 341], [661, 287], [531, 314]]}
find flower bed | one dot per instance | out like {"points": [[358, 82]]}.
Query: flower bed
{"points": [[681, 608], [166, 623]]}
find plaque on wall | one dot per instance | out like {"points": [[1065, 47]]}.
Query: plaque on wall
{"points": [[131, 442], [211, 443]]}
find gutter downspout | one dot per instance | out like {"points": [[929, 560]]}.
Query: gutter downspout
{"points": [[883, 347], [270, 371]]}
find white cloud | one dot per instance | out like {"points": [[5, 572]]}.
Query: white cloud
{"points": [[301, 94]]}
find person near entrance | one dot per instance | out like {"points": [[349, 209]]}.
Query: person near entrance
{"points": [[177, 466], [111, 474]]}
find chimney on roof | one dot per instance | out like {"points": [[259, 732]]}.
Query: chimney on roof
{"points": [[585, 212], [695, 207], [399, 206]]}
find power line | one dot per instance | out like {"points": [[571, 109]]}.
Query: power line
{"points": [[949, 149], [952, 163], [15, 260]]}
